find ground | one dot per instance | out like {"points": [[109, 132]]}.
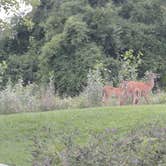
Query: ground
{"points": [[18, 132]]}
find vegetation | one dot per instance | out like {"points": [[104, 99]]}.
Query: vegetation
{"points": [[29, 138], [65, 39], [143, 146], [17, 97], [59, 56]]}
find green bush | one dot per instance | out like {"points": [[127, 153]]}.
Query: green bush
{"points": [[158, 98], [30, 98], [93, 90], [141, 147], [18, 98], [129, 65], [145, 145]]}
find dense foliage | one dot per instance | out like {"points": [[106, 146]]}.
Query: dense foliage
{"points": [[67, 38], [144, 146]]}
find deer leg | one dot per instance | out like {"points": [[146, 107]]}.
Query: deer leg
{"points": [[147, 101], [121, 101], [138, 94], [106, 101], [105, 98], [123, 98], [133, 99], [136, 101]]}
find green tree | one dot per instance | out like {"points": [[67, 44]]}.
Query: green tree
{"points": [[3, 67], [68, 37], [69, 60]]}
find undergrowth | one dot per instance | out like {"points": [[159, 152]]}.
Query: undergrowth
{"points": [[145, 145]]}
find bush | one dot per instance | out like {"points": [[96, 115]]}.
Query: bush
{"points": [[93, 91], [158, 98], [18, 98], [141, 147], [30, 98], [129, 66], [145, 145]]}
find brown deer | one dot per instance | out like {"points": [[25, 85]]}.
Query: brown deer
{"points": [[130, 91], [109, 91], [136, 90]]}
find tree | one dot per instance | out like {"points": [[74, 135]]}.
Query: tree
{"points": [[69, 58], [67, 38], [3, 68]]}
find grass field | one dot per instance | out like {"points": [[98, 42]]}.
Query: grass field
{"points": [[18, 132]]}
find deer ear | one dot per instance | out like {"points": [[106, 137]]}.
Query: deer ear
{"points": [[158, 75], [150, 72], [146, 73]]}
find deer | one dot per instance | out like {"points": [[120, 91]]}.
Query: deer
{"points": [[136, 90], [109, 91], [131, 91]]}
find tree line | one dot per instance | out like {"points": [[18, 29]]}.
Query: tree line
{"points": [[64, 39]]}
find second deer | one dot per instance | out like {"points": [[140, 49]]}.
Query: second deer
{"points": [[136, 89], [110, 91]]}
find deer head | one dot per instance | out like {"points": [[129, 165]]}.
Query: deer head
{"points": [[150, 75]]}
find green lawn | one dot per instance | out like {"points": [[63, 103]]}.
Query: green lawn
{"points": [[18, 131]]}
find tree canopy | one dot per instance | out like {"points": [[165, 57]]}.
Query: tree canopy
{"points": [[67, 38]]}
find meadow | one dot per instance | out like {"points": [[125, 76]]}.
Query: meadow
{"points": [[28, 137]]}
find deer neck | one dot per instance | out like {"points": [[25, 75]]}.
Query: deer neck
{"points": [[150, 82]]}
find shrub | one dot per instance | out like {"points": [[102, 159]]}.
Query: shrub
{"points": [[145, 145], [129, 65], [141, 147], [30, 98], [3, 67], [158, 98], [48, 96], [18, 98], [93, 91]]}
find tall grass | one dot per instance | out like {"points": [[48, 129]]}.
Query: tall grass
{"points": [[32, 97]]}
